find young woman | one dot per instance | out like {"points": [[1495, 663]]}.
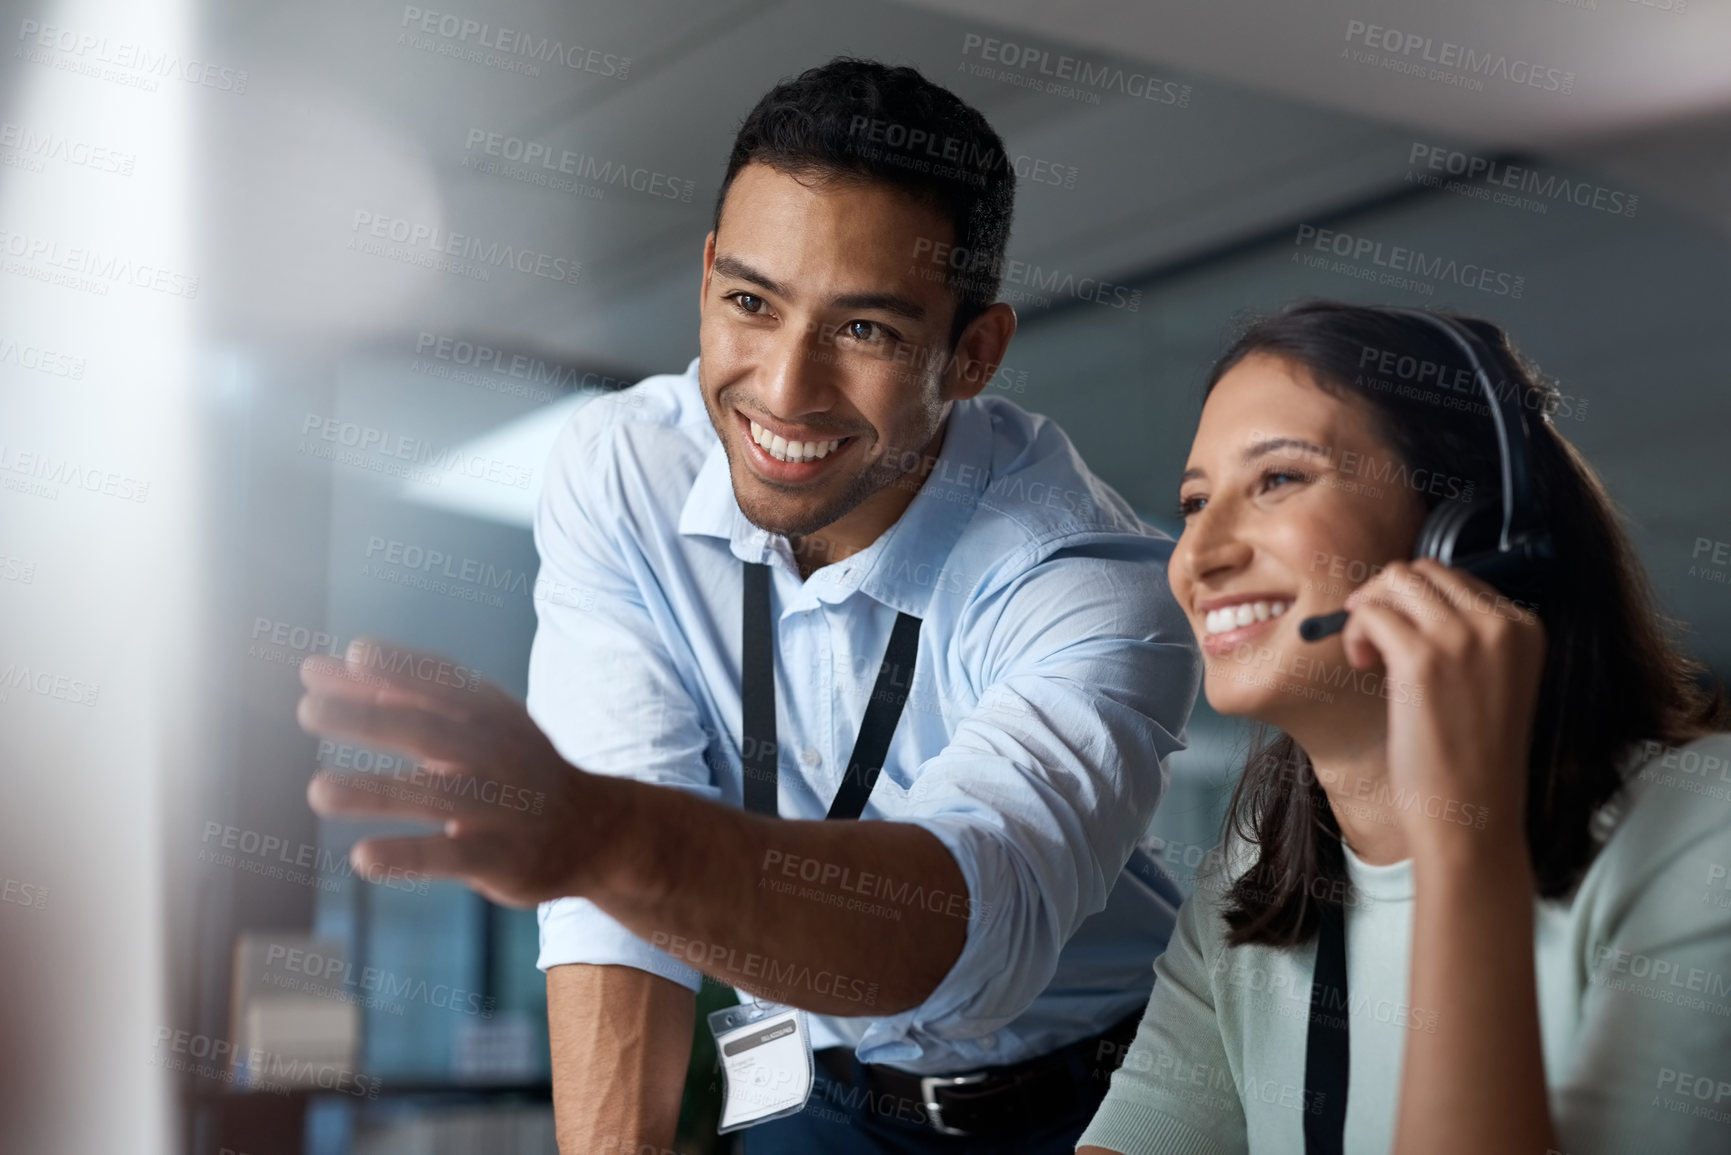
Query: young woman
{"points": [[1520, 819]]}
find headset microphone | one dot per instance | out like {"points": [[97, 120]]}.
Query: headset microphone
{"points": [[1501, 540]]}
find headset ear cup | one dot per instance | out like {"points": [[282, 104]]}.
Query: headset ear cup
{"points": [[1457, 528]]}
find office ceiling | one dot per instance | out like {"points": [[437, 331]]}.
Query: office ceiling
{"points": [[359, 114]]}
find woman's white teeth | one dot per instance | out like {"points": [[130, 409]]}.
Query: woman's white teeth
{"points": [[1243, 614], [782, 449]]}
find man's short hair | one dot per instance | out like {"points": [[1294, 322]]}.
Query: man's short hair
{"points": [[858, 119]]}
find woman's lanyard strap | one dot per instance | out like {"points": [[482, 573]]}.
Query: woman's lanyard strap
{"points": [[1327, 1054]]}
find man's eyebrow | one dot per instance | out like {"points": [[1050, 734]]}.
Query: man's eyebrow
{"points": [[881, 302], [1262, 449], [729, 266], [895, 303]]}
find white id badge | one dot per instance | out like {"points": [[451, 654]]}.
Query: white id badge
{"points": [[766, 1068]]}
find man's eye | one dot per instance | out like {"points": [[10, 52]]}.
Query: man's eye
{"points": [[865, 331], [747, 302]]}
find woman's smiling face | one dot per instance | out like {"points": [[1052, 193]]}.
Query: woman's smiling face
{"points": [[1287, 507]]}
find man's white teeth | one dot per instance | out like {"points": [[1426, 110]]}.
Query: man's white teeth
{"points": [[1243, 614], [782, 449]]}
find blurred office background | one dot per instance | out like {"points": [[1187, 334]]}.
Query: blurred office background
{"points": [[220, 227]]}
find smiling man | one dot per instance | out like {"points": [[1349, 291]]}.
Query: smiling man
{"points": [[852, 689]]}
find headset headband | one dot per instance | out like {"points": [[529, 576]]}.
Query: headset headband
{"points": [[1507, 415]]}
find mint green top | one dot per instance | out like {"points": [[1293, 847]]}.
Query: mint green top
{"points": [[1634, 984]]}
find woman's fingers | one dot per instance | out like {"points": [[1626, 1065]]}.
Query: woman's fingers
{"points": [[1391, 611]]}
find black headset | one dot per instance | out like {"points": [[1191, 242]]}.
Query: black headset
{"points": [[1504, 540]]}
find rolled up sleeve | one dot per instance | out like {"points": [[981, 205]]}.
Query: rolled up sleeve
{"points": [[1042, 792], [602, 682]]}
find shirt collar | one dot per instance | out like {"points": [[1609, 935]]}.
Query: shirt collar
{"points": [[908, 562]]}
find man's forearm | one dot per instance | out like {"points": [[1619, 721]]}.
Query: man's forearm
{"points": [[621, 1041], [841, 918]]}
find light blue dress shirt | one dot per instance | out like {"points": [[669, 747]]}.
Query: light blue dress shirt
{"points": [[1054, 677]]}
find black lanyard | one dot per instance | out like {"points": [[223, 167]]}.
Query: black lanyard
{"points": [[757, 694], [1326, 1051]]}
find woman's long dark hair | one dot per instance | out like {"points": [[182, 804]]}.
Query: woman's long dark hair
{"points": [[1612, 678]]}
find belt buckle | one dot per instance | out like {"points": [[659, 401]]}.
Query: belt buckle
{"points": [[929, 1085]]}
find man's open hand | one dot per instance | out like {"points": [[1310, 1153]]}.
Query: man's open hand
{"points": [[520, 824]]}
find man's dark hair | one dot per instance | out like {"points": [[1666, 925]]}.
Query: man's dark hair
{"points": [[858, 119]]}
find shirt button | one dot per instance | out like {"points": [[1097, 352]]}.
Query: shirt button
{"points": [[809, 756]]}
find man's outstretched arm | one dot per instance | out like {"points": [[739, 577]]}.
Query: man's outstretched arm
{"points": [[705, 882]]}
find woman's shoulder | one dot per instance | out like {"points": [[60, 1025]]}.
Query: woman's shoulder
{"points": [[1687, 783], [1675, 806]]}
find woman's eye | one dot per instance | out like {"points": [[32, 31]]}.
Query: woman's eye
{"points": [[1190, 505], [1275, 478]]}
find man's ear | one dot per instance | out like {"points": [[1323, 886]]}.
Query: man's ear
{"points": [[708, 266], [980, 351]]}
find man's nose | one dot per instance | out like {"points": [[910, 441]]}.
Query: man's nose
{"points": [[796, 376]]}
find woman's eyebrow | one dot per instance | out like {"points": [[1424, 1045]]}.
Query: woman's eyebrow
{"points": [[1274, 444], [1262, 449]]}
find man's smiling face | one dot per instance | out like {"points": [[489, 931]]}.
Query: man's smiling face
{"points": [[825, 343]]}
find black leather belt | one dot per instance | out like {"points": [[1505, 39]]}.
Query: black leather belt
{"points": [[1011, 1099]]}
